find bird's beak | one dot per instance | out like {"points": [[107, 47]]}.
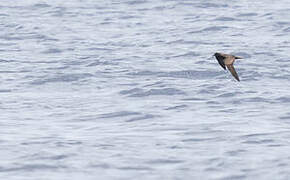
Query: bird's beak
{"points": [[237, 57]]}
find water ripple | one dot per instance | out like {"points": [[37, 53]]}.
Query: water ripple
{"points": [[129, 89], [136, 92]]}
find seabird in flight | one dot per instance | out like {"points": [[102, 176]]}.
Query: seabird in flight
{"points": [[227, 61]]}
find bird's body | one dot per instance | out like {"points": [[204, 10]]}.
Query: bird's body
{"points": [[227, 62]]}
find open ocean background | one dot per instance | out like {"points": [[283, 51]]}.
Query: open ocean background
{"points": [[128, 89]]}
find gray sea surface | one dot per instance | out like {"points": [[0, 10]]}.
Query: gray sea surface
{"points": [[129, 89]]}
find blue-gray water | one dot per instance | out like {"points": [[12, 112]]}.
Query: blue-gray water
{"points": [[130, 90]]}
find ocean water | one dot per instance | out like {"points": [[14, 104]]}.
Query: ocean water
{"points": [[129, 89]]}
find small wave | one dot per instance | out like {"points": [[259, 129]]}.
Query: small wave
{"points": [[136, 92], [284, 99], [286, 29], [52, 51], [165, 161], [31, 167], [257, 99], [284, 118], [41, 5], [211, 29], [61, 78], [176, 107], [5, 90], [227, 95], [147, 116], [225, 19], [119, 114], [247, 14], [190, 74]]}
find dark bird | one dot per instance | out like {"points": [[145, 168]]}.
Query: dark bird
{"points": [[227, 61]]}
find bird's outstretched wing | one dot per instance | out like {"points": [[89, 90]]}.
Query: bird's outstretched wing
{"points": [[233, 71], [221, 61]]}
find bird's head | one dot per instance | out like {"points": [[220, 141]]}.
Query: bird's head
{"points": [[216, 54]]}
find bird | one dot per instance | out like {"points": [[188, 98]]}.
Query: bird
{"points": [[227, 61]]}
